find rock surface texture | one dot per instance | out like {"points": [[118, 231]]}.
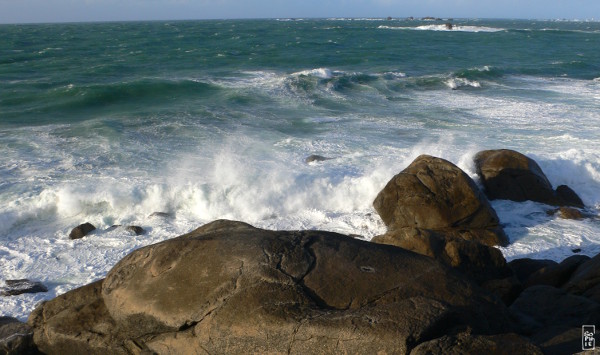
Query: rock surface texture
{"points": [[228, 287], [510, 175], [433, 194]]}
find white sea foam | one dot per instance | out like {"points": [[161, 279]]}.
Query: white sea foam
{"points": [[443, 27]]}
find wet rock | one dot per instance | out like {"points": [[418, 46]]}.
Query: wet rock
{"points": [[510, 175], [161, 215], [81, 230], [18, 287], [136, 230], [16, 338], [566, 196], [228, 287], [315, 158], [433, 194]]}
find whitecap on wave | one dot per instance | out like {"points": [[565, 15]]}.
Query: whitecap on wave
{"points": [[443, 27], [455, 83]]}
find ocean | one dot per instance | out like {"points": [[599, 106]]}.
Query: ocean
{"points": [[108, 123]]}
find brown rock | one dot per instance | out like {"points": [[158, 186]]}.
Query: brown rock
{"points": [[478, 261], [434, 194], [510, 175], [465, 343], [230, 288], [76, 322], [81, 230]]}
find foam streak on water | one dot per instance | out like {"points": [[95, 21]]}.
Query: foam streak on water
{"points": [[108, 123]]}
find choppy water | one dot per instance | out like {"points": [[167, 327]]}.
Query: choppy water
{"points": [[110, 122]]}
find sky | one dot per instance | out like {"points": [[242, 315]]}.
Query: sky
{"points": [[28, 11]]}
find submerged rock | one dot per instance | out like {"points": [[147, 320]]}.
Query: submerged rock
{"points": [[81, 230], [18, 287], [433, 194], [161, 215], [315, 158], [509, 175], [228, 287], [136, 230]]}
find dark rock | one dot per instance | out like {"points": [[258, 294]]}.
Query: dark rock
{"points": [[549, 315], [161, 215], [16, 338], [434, 194], [566, 196], [18, 287], [135, 230], [510, 175], [576, 250], [523, 268], [465, 343], [81, 230], [313, 158], [556, 274], [507, 289], [585, 277], [230, 288]]}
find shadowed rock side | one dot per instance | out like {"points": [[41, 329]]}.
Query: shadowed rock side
{"points": [[510, 175], [433, 195], [228, 287]]}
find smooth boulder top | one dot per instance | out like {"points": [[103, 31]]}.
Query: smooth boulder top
{"points": [[228, 287], [509, 175], [434, 194]]}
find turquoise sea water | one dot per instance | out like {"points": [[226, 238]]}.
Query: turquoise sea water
{"points": [[109, 122]]}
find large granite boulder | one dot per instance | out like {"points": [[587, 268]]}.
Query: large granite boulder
{"points": [[478, 261], [432, 194], [510, 175], [228, 287]]}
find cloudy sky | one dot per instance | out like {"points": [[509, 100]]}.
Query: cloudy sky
{"points": [[20, 11]]}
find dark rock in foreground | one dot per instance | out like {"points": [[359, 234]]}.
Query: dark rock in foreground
{"points": [[510, 175], [18, 287], [465, 343], [435, 196], [16, 338], [228, 287], [81, 230], [553, 318]]}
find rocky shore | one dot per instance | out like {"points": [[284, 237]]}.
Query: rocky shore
{"points": [[434, 283]]}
